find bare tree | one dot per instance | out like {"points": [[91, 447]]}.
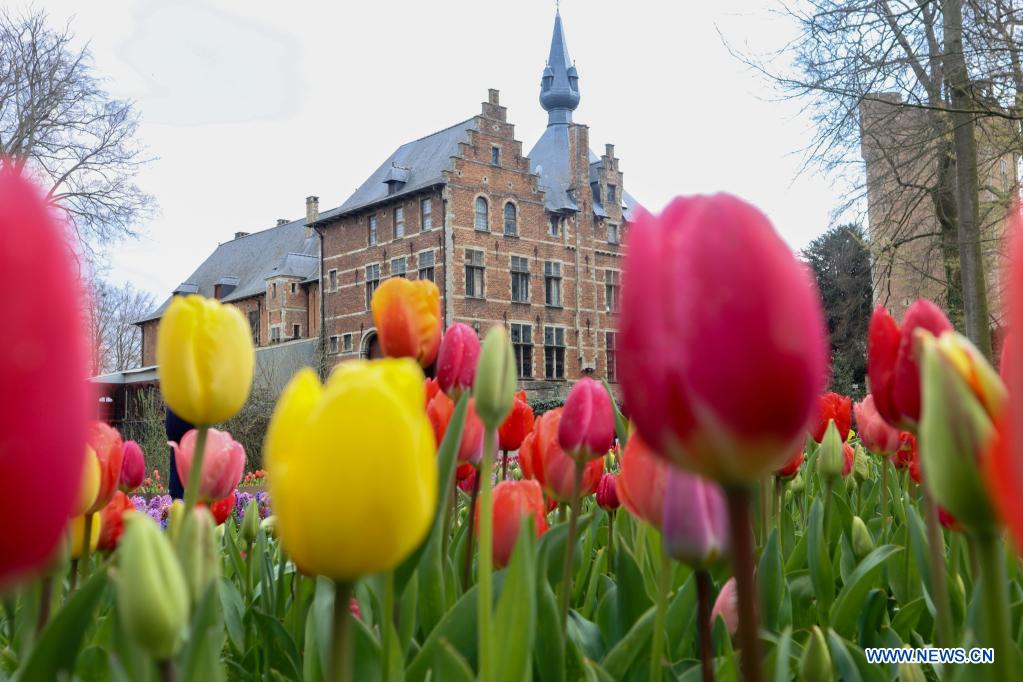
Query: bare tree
{"points": [[59, 125], [116, 342]]}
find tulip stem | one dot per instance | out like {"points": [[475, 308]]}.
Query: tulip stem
{"points": [[168, 673], [386, 623], [470, 532], [779, 499], [504, 465], [86, 545], [996, 600], [341, 655], [195, 472], [884, 500], [703, 624], [486, 556], [610, 540], [936, 547], [573, 527], [739, 502], [45, 597], [73, 581], [657, 641]]}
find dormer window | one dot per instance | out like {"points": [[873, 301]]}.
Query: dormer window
{"points": [[495, 155], [611, 195]]}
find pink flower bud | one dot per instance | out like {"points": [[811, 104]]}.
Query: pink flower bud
{"points": [[456, 361], [607, 493], [222, 463], [695, 519], [727, 606], [877, 435], [587, 428], [723, 349], [133, 467]]}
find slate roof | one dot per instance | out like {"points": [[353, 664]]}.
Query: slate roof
{"points": [[281, 250]]}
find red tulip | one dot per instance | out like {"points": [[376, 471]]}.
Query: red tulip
{"points": [[892, 365], [607, 492], [106, 442], [112, 521], [848, 458], [695, 519], [222, 509], [456, 361], [407, 317], [549, 464], [723, 347], [642, 480], [832, 407], [222, 464], [587, 427], [465, 477], [517, 424], [877, 435], [791, 467], [948, 521], [514, 501], [133, 467], [439, 410]]}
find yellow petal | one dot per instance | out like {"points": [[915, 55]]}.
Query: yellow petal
{"points": [[89, 489]]}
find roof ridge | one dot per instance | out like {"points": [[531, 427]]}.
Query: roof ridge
{"points": [[437, 132], [263, 231]]}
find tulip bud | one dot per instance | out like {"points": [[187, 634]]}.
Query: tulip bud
{"points": [[112, 521], [175, 515], [911, 672], [457, 359], [862, 543], [607, 494], [517, 424], [861, 467], [876, 434], [815, 666], [727, 606], [695, 519], [587, 428], [269, 526], [832, 407], [250, 523], [830, 455], [514, 502], [133, 467], [89, 486], [791, 467], [152, 594], [198, 549], [407, 317], [542, 458], [798, 484], [495, 379]]}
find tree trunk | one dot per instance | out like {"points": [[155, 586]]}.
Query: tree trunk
{"points": [[964, 134], [944, 198]]}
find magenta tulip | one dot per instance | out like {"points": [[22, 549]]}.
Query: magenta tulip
{"points": [[694, 524], [723, 348], [587, 428], [45, 401], [607, 492], [457, 358], [222, 463], [133, 467]]}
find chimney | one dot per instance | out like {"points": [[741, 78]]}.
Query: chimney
{"points": [[312, 213], [239, 235], [492, 107], [609, 150], [494, 96], [282, 221]]}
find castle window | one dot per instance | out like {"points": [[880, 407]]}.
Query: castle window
{"points": [[519, 279], [399, 222], [254, 325], [296, 331], [611, 198], [426, 209], [332, 277], [426, 265], [333, 344], [398, 267], [495, 155], [474, 273], [294, 287], [273, 291], [372, 282], [522, 344], [482, 214], [511, 220], [552, 283], [346, 343], [612, 233], [553, 225], [611, 290], [554, 352], [275, 334], [609, 339], [372, 230]]}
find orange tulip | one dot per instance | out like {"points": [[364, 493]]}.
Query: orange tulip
{"points": [[517, 424], [407, 317], [106, 442], [542, 458], [514, 501], [112, 523], [642, 480], [439, 408]]}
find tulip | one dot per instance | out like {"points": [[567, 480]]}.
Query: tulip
{"points": [[133, 468], [949, 521], [89, 487], [514, 502], [77, 526], [607, 493], [153, 599], [875, 433], [42, 359], [641, 483], [205, 359], [815, 665], [695, 519], [726, 606], [907, 452], [831, 457], [723, 349], [112, 521], [222, 509], [862, 543], [495, 379], [791, 467], [516, 425], [587, 426], [832, 407], [407, 317], [465, 477], [328, 448], [439, 410], [109, 448], [860, 465], [198, 550], [222, 463], [456, 361], [550, 466], [848, 459], [892, 367], [250, 522]]}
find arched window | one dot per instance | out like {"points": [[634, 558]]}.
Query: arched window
{"points": [[511, 221], [482, 214]]}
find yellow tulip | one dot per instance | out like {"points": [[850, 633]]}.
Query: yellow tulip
{"points": [[352, 467], [205, 357], [77, 530], [89, 487]]}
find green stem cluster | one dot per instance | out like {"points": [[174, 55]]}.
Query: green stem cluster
{"points": [[486, 557], [573, 529]]}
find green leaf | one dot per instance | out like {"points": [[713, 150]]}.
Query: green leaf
{"points": [[907, 616], [448, 664], [407, 613], [847, 608], [635, 642], [918, 542], [55, 651], [771, 583], [231, 605], [549, 648], [621, 423], [872, 618], [820, 561], [633, 598], [367, 652], [515, 615], [200, 658], [782, 657], [841, 660]]}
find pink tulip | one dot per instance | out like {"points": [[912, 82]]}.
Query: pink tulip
{"points": [[45, 400], [694, 524], [587, 428], [222, 463], [723, 349], [727, 606], [877, 435], [457, 358], [607, 492], [133, 467]]}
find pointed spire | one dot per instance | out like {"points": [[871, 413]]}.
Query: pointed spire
{"points": [[559, 85]]}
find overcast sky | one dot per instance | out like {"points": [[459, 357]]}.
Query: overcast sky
{"points": [[251, 106]]}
